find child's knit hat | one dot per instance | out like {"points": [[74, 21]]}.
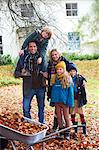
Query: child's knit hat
{"points": [[61, 64], [72, 66]]}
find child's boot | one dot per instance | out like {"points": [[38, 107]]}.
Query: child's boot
{"points": [[84, 128], [74, 122], [83, 122], [25, 72]]}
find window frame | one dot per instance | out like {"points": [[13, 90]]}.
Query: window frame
{"points": [[26, 11], [70, 10], [1, 46], [73, 41]]}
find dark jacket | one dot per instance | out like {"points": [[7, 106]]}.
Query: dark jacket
{"points": [[80, 91], [36, 80], [41, 45]]}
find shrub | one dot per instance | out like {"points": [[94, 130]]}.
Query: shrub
{"points": [[14, 63], [75, 56], [5, 60]]}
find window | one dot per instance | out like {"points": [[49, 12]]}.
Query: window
{"points": [[73, 41], [71, 9], [26, 10], [1, 48]]}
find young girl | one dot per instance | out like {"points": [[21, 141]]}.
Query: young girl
{"points": [[79, 96], [62, 94]]}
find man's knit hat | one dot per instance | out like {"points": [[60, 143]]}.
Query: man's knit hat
{"points": [[72, 66], [61, 64]]}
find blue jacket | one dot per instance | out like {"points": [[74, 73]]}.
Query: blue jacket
{"points": [[65, 95], [68, 63], [41, 45]]}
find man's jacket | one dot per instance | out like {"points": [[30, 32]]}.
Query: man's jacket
{"points": [[36, 80]]}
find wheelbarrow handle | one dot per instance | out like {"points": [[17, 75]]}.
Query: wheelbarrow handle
{"points": [[46, 139], [62, 130], [52, 135]]}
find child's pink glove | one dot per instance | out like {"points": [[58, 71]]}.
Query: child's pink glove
{"points": [[39, 60], [21, 52]]}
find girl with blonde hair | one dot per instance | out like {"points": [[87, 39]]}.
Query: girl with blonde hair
{"points": [[62, 95]]}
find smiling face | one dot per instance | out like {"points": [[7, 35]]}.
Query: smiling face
{"points": [[55, 56], [60, 71], [32, 47], [72, 72], [44, 35]]}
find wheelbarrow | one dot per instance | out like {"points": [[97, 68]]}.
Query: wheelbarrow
{"points": [[30, 139]]}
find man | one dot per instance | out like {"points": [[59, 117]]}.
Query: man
{"points": [[34, 83]]}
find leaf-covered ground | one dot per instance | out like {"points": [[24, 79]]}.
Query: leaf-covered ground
{"points": [[11, 99]]}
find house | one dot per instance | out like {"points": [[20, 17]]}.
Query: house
{"points": [[63, 17]]}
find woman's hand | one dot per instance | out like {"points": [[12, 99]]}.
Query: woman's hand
{"points": [[45, 74]]}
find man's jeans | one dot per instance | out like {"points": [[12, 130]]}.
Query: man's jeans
{"points": [[40, 95]]}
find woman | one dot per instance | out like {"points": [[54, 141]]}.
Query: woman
{"points": [[55, 58]]}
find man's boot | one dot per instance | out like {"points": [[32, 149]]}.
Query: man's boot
{"points": [[55, 124]]}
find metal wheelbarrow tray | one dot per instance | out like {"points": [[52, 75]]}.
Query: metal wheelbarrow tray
{"points": [[29, 139]]}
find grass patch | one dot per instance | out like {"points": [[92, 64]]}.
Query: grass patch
{"points": [[9, 81], [88, 68], [6, 76]]}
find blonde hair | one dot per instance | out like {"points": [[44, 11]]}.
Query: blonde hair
{"points": [[54, 50], [67, 80], [48, 31]]}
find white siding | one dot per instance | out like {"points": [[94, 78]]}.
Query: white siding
{"points": [[8, 34], [57, 11]]}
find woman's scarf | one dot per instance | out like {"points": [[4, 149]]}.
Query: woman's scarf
{"points": [[53, 64]]}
